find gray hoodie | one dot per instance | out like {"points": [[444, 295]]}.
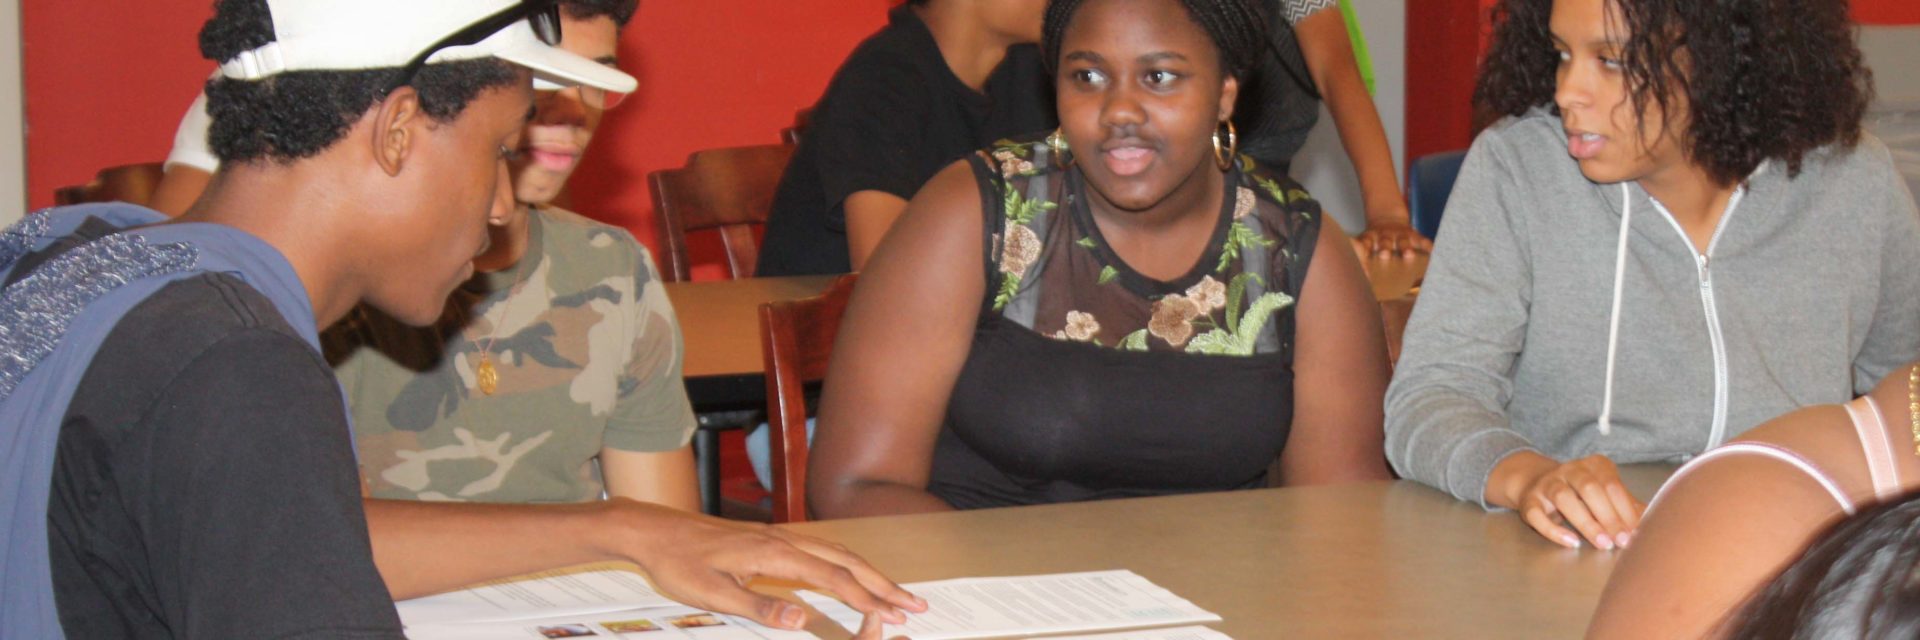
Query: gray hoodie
{"points": [[1809, 293]]}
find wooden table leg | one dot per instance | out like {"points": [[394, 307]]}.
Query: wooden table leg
{"points": [[706, 452]]}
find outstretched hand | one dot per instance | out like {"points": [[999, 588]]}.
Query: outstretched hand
{"points": [[706, 562], [1392, 238]]}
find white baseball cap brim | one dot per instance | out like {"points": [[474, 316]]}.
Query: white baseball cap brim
{"points": [[347, 35]]}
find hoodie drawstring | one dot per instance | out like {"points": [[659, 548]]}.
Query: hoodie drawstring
{"points": [[1613, 316]]}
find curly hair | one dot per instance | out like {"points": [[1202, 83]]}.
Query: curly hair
{"points": [[1763, 79], [1238, 29], [621, 11], [298, 114], [1856, 580]]}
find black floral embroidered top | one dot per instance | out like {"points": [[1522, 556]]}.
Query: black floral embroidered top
{"points": [[1054, 273], [1088, 380]]}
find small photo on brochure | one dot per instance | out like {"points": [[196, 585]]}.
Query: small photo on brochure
{"points": [[696, 620], [631, 626], [569, 630]]}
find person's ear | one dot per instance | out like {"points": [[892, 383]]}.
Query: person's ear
{"points": [[1229, 94], [396, 121]]}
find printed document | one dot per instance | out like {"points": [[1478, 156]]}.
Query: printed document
{"points": [[1028, 605], [1169, 633], [561, 592], [660, 623]]}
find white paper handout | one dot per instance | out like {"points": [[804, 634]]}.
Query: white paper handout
{"points": [[659, 623], [1191, 632], [561, 592], [1026, 605]]}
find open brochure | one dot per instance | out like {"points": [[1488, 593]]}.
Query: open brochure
{"points": [[1192, 632], [1030, 605], [659, 623], [610, 601], [561, 592]]}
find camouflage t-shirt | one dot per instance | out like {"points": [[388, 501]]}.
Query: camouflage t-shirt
{"points": [[587, 352]]}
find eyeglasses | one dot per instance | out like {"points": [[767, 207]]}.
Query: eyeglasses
{"points": [[595, 97], [542, 15]]}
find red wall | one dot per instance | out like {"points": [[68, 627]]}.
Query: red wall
{"points": [[107, 81], [1444, 42], [1886, 11], [1443, 49]]}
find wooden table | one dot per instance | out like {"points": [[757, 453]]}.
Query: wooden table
{"points": [[720, 320], [1375, 560]]}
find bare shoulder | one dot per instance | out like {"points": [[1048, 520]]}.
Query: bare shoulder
{"points": [[1718, 532], [1825, 436]]}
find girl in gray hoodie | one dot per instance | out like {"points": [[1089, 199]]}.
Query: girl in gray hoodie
{"points": [[1677, 232]]}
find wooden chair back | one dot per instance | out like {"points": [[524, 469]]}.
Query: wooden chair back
{"points": [[801, 119], [728, 190], [796, 338], [132, 183]]}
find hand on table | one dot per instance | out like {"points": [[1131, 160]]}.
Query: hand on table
{"points": [[1392, 238], [1559, 499], [705, 562]]}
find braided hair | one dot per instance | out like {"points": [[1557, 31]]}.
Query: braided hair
{"points": [[1238, 29]]}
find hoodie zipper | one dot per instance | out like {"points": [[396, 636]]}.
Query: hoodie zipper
{"points": [[1703, 264]]}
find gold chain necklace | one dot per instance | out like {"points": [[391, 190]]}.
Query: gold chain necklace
{"points": [[1913, 405], [486, 375]]}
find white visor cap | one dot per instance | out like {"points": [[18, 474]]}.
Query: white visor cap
{"points": [[348, 35]]}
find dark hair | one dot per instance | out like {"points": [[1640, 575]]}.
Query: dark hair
{"points": [[1763, 79], [1238, 29], [298, 114], [1857, 580], [620, 10]]}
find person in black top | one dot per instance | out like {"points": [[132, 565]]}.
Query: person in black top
{"points": [[202, 484], [1309, 57], [1126, 307], [944, 78]]}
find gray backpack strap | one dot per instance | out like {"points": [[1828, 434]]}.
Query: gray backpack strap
{"points": [[37, 310]]}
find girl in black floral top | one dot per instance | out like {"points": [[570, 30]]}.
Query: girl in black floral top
{"points": [[1123, 307]]}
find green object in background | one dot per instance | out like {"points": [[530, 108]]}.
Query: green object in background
{"points": [[1360, 57]]}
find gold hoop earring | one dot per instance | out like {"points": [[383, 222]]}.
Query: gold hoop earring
{"points": [[1223, 158], [1063, 156]]}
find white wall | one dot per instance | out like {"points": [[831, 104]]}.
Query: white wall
{"points": [[1322, 164], [1895, 117], [13, 143]]}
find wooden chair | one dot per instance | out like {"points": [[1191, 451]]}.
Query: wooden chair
{"points": [[796, 337], [729, 190], [801, 119], [133, 183]]}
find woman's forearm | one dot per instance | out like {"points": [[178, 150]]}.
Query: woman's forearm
{"points": [[861, 498]]}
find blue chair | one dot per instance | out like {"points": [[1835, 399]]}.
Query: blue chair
{"points": [[1429, 182]]}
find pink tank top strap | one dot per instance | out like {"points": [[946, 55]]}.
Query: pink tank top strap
{"points": [[1870, 426], [1764, 450]]}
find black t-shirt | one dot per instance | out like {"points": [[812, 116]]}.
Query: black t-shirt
{"points": [[204, 483], [893, 116], [1278, 103]]}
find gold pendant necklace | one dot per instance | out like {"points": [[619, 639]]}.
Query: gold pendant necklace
{"points": [[1913, 404], [485, 375]]}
